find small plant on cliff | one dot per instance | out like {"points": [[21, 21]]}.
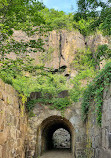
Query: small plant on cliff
{"points": [[94, 92], [83, 60]]}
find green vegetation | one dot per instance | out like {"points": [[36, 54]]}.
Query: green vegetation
{"points": [[27, 78], [94, 92], [83, 60], [19, 14], [84, 64], [93, 15], [58, 103], [28, 14], [57, 19], [102, 52], [33, 17], [46, 56]]}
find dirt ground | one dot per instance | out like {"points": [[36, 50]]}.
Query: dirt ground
{"points": [[57, 154]]}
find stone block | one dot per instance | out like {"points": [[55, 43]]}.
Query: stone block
{"points": [[109, 140], [104, 154], [9, 89], [19, 142], [35, 95], [18, 133], [2, 84], [18, 153], [4, 97], [63, 94], [103, 137], [13, 133], [4, 151], [0, 151], [1, 125], [10, 100], [15, 102], [109, 103], [8, 118], [1, 104], [1, 95], [3, 136]]}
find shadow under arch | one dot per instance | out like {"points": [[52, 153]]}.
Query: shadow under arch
{"points": [[46, 130]]}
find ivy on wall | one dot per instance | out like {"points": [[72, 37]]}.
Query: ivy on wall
{"points": [[94, 92], [27, 78]]}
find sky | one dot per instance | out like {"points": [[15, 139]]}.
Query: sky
{"points": [[64, 5]]}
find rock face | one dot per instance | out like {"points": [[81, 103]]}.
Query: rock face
{"points": [[95, 40], [60, 48]]}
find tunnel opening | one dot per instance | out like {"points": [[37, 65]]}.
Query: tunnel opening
{"points": [[61, 139], [52, 126]]}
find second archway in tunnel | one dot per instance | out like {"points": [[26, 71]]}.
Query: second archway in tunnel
{"points": [[57, 133]]}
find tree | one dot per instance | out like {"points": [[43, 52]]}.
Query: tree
{"points": [[18, 14], [97, 10]]}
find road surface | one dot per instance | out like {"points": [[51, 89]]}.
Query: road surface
{"points": [[57, 154]]}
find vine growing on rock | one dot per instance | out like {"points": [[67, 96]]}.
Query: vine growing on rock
{"points": [[94, 92], [33, 17], [29, 78]]}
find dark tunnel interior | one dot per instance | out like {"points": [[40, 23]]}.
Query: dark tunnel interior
{"points": [[49, 127]]}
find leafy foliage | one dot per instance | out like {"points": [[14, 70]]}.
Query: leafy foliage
{"points": [[94, 91], [57, 19], [97, 15], [19, 14], [83, 59], [103, 52], [26, 78], [54, 103], [32, 16]]}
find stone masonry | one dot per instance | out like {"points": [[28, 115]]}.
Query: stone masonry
{"points": [[98, 142], [13, 127]]}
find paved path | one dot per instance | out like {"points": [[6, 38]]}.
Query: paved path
{"points": [[57, 154]]}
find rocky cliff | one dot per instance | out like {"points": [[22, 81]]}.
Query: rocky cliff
{"points": [[60, 48]]}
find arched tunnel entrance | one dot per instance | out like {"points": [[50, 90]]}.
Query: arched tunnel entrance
{"points": [[46, 133]]}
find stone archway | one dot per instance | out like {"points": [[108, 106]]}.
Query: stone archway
{"points": [[46, 130]]}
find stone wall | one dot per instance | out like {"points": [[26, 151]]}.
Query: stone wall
{"points": [[42, 124], [98, 139], [17, 140], [13, 126], [105, 151], [93, 135]]}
